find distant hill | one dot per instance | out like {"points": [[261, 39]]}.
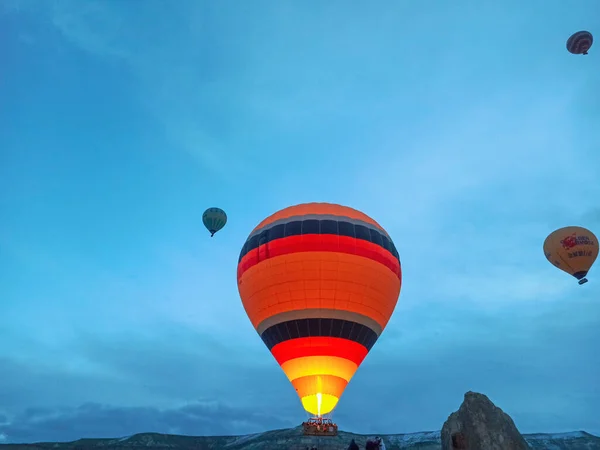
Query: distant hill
{"points": [[292, 439]]}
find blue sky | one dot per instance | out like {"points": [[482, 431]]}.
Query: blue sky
{"points": [[465, 129]]}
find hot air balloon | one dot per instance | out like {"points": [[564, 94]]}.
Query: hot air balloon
{"points": [[579, 43], [214, 219], [573, 250], [319, 283]]}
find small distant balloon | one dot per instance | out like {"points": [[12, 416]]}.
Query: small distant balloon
{"points": [[579, 43], [214, 219], [573, 250]]}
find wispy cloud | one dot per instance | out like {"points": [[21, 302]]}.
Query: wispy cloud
{"points": [[166, 75], [95, 420]]}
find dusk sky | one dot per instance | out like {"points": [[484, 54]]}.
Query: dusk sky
{"points": [[465, 129]]}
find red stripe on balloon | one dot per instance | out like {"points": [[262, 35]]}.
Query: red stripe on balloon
{"points": [[319, 346], [319, 243]]}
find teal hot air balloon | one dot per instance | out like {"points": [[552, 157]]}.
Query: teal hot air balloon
{"points": [[214, 219]]}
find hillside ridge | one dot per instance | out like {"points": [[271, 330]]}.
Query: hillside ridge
{"points": [[293, 439]]}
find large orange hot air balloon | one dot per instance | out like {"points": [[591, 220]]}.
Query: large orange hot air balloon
{"points": [[573, 250], [319, 283]]}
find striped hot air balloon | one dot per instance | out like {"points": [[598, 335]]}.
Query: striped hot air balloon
{"points": [[319, 283], [214, 219], [579, 43]]}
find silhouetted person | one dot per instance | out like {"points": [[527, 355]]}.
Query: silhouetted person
{"points": [[353, 445], [371, 445]]}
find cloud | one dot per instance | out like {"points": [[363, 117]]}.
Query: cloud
{"points": [[93, 420], [177, 381], [170, 365], [430, 358], [423, 364], [166, 78], [186, 362]]}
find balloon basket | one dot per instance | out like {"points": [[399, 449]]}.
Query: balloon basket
{"points": [[317, 426], [582, 281]]}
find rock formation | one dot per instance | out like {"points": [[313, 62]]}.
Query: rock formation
{"points": [[480, 425]]}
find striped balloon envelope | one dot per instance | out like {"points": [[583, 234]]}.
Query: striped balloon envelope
{"points": [[214, 219], [319, 283], [579, 43]]}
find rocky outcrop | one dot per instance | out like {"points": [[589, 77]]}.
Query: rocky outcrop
{"points": [[479, 424]]}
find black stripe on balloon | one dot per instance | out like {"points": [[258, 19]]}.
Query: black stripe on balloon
{"points": [[313, 226], [301, 328]]}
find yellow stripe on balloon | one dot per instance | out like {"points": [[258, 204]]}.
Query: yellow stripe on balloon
{"points": [[319, 404], [319, 365]]}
